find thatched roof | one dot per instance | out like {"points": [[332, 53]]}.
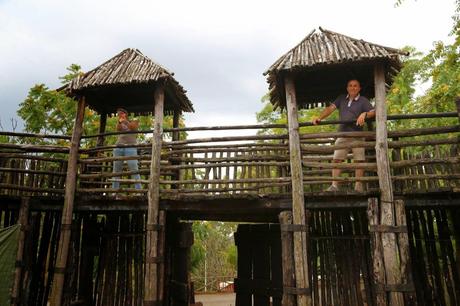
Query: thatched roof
{"points": [[323, 62], [128, 80]]}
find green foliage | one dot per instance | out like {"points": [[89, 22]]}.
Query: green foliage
{"points": [[213, 253], [439, 72], [50, 111], [270, 116]]}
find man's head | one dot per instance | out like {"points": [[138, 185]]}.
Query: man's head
{"points": [[353, 88], [122, 113]]}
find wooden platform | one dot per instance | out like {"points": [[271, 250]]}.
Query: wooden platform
{"points": [[242, 208]]}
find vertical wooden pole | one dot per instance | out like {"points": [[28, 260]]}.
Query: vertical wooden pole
{"points": [[89, 250], [151, 296], [67, 211], [457, 212], [298, 205], [161, 253], [176, 120], [404, 252], [378, 269], [102, 126], [23, 221], [287, 258], [457, 103], [175, 137], [387, 211]]}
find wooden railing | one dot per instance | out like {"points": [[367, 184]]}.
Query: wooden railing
{"points": [[421, 160], [33, 169]]}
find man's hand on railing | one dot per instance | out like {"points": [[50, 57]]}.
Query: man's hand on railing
{"points": [[361, 119], [316, 121]]}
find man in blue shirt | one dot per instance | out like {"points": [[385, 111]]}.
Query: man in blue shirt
{"points": [[351, 107]]}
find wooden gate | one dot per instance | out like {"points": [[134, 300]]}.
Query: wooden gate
{"points": [[179, 239], [259, 278]]}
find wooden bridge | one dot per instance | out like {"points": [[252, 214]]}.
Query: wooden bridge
{"points": [[85, 243], [211, 178]]}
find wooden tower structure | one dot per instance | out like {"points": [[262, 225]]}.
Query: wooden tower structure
{"points": [[396, 243], [132, 81], [315, 72]]}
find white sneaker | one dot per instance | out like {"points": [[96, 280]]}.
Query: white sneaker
{"points": [[359, 187], [332, 188]]}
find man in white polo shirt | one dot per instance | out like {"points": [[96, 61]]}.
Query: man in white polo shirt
{"points": [[351, 107]]}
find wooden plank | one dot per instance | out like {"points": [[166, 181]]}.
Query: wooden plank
{"points": [[261, 265], [434, 261], [244, 267], [161, 254], [446, 253], [69, 196], [403, 242], [298, 205], [276, 267], [89, 250], [285, 218], [422, 272], [314, 254], [23, 221]]}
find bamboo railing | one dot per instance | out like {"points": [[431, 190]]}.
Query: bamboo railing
{"points": [[423, 159]]}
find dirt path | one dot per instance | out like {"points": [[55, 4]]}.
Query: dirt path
{"points": [[218, 299]]}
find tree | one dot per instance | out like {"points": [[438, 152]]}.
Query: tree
{"points": [[438, 71], [213, 254]]}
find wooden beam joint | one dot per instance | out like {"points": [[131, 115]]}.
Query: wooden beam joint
{"points": [[297, 291], [154, 227], [153, 303], [394, 287], [381, 228], [154, 260], [294, 227]]}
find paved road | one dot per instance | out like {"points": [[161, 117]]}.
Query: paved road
{"points": [[218, 299]]}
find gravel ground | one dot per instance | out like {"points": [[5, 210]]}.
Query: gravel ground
{"points": [[218, 299]]}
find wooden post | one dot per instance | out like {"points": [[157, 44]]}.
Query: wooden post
{"points": [[67, 211], [161, 253], [151, 296], [387, 216], [102, 125], [287, 258], [175, 137], [89, 250], [378, 269], [404, 252], [176, 121], [457, 102], [23, 221], [457, 213], [298, 205]]}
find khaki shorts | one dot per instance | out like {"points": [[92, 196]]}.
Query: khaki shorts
{"points": [[358, 153]]}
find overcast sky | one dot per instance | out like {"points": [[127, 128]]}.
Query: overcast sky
{"points": [[218, 50]]}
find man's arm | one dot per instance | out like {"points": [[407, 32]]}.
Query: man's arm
{"points": [[133, 125], [365, 115], [324, 114]]}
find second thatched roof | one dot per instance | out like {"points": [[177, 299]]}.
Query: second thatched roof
{"points": [[324, 61]]}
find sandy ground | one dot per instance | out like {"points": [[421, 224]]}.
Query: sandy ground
{"points": [[218, 299]]}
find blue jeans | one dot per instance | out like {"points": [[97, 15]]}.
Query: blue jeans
{"points": [[132, 165]]}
